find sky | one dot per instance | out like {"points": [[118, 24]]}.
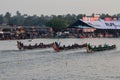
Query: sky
{"points": [[60, 7]]}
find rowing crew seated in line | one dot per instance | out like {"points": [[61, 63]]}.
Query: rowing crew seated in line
{"points": [[40, 45], [71, 47], [99, 46]]}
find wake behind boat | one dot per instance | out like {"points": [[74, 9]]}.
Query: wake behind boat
{"points": [[56, 46], [105, 47], [22, 46]]}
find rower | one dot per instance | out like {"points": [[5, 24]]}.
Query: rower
{"points": [[30, 46], [56, 43], [105, 45], [89, 46]]}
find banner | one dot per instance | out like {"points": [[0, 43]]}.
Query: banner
{"points": [[101, 24]]}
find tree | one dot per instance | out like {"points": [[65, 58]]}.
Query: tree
{"points": [[18, 19], [57, 24], [102, 16], [28, 21], [1, 19], [35, 20], [79, 16], [7, 18]]}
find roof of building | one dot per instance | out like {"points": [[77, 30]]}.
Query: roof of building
{"points": [[99, 24], [80, 24]]}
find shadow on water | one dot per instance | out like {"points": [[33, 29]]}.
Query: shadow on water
{"points": [[5, 51], [28, 51], [83, 52], [50, 50]]}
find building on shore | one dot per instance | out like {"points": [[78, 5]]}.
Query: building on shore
{"points": [[27, 32], [96, 27]]}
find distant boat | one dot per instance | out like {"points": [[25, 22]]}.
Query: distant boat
{"points": [[91, 49], [58, 48], [22, 46]]}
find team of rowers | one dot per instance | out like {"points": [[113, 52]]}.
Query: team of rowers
{"points": [[35, 46], [73, 46], [42, 45], [56, 46]]}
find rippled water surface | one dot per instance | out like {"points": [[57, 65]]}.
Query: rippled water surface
{"points": [[46, 64]]}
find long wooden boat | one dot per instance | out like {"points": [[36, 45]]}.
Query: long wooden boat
{"points": [[91, 49], [22, 46], [58, 48]]}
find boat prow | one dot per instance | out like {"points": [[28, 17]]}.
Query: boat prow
{"points": [[56, 47]]}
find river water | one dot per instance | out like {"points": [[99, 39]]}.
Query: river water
{"points": [[46, 64]]}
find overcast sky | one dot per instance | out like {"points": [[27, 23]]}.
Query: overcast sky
{"points": [[60, 7]]}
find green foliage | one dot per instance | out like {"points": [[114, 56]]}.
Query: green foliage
{"points": [[1, 19], [57, 24], [7, 17]]}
